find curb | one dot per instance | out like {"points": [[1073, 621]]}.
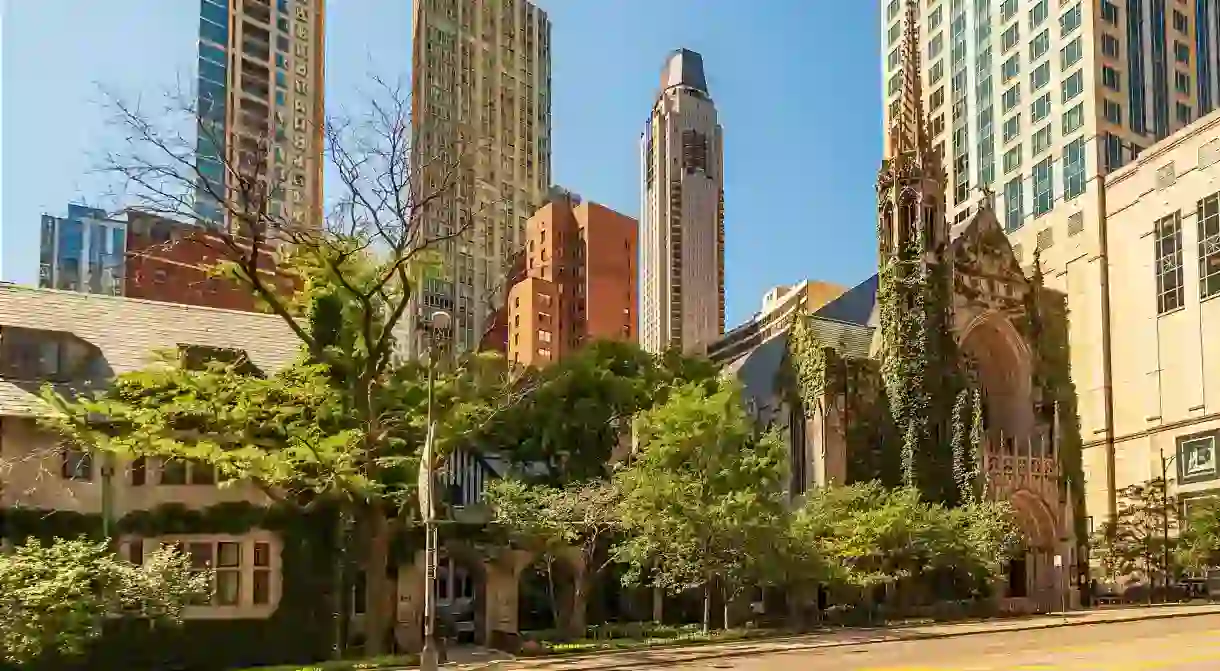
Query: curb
{"points": [[728, 654]]}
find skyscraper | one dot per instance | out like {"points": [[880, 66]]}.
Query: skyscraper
{"points": [[682, 220], [1033, 99], [481, 117], [261, 80], [84, 251]]}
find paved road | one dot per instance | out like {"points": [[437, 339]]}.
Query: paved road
{"points": [[1179, 644]]}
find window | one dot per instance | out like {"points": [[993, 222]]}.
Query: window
{"points": [[1181, 52], [1040, 108], [1041, 76], [1113, 111], [1073, 119], [1181, 82], [1012, 127], [75, 464], [1109, 12], [938, 71], [1071, 54], [1073, 169], [33, 355], [934, 48], [937, 99], [1011, 68], [1170, 294], [544, 335], [1044, 190], [1109, 78], [242, 568], [1070, 20], [1007, 9], [1013, 211], [1010, 37], [935, 17], [1039, 45], [1012, 159], [1042, 139], [1209, 246], [1180, 23], [1039, 13], [183, 472], [1109, 45], [1073, 85], [1011, 97], [1183, 113]]}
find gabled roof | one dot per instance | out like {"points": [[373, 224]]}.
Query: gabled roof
{"points": [[853, 307], [127, 331]]}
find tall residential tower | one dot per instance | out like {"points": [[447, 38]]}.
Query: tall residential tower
{"points": [[682, 222], [261, 78], [481, 116]]}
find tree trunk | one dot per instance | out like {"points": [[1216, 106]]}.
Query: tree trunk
{"points": [[577, 621], [378, 587], [552, 597], [658, 604]]}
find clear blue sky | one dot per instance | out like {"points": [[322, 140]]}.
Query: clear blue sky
{"points": [[796, 83]]}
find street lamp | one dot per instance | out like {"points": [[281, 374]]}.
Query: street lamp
{"points": [[435, 328], [1165, 461]]}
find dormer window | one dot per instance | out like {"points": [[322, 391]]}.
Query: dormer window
{"points": [[197, 357], [36, 355]]}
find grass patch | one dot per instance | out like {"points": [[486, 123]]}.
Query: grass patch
{"points": [[346, 664]]}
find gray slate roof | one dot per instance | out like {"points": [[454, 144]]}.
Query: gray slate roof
{"points": [[127, 331]]}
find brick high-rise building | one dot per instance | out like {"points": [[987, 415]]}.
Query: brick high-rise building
{"points": [[580, 281]]}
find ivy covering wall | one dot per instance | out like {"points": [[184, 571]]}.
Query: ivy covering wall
{"points": [[300, 629]]}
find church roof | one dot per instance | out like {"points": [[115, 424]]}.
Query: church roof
{"points": [[758, 370]]}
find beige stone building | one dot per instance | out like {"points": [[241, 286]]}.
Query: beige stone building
{"points": [[76, 339], [1145, 359], [82, 340]]}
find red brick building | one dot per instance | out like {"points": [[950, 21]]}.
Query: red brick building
{"points": [[170, 261]]}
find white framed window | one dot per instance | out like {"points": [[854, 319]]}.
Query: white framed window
{"points": [[246, 570], [1170, 289]]}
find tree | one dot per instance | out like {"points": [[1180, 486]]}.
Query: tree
{"points": [[1140, 540], [352, 409], [57, 598], [582, 407], [703, 498], [1199, 540], [574, 522], [871, 536]]}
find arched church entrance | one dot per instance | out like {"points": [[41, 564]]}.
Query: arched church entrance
{"points": [[1018, 464], [999, 362]]}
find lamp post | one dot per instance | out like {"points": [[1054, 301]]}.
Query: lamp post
{"points": [[438, 323], [1165, 461]]}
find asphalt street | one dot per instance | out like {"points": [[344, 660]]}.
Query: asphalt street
{"points": [[1178, 644]]}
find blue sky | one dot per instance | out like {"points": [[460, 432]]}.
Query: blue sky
{"points": [[796, 83]]}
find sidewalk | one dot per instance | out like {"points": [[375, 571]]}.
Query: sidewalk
{"points": [[670, 655]]}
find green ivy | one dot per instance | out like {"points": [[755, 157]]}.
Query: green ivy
{"points": [[300, 630]]}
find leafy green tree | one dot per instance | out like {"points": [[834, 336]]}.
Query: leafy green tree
{"points": [[703, 497], [1143, 534], [346, 423], [1199, 540], [573, 523], [57, 598]]}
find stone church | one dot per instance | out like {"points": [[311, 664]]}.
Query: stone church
{"points": [[946, 370]]}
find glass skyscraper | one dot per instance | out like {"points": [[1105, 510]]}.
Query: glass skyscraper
{"points": [[260, 98], [84, 251]]}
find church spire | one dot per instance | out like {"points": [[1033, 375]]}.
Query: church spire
{"points": [[908, 132]]}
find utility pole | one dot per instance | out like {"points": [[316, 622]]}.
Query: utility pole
{"points": [[438, 323]]}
